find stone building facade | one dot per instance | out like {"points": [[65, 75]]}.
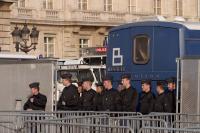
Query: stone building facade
{"points": [[67, 25], [5, 25]]}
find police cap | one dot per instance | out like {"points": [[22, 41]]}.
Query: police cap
{"points": [[66, 76], [126, 76], [34, 85]]}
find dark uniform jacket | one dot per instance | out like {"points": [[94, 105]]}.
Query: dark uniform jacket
{"points": [[111, 100], [87, 100], [98, 102], [129, 99], [146, 102], [39, 102], [171, 97], [69, 98], [161, 103]]}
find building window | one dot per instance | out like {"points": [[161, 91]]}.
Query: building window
{"points": [[48, 4], [141, 50], [179, 8], [49, 45], [108, 5], [157, 7], [21, 3], [132, 6], [83, 43], [82, 4]]}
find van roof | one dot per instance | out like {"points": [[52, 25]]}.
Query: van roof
{"points": [[178, 25]]}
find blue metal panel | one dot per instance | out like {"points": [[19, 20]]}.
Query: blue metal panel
{"points": [[166, 49]]}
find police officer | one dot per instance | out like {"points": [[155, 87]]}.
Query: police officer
{"points": [[161, 103], [36, 101], [70, 97], [87, 99], [146, 100], [171, 94], [98, 97], [128, 95], [110, 99]]}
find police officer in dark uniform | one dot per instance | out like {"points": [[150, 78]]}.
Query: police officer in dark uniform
{"points": [[110, 99], [98, 97], [171, 94], [87, 99], [36, 101], [128, 95], [70, 97], [146, 100], [161, 103]]}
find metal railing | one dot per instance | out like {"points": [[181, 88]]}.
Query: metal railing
{"points": [[96, 122]]}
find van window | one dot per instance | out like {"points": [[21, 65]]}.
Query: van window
{"points": [[141, 50]]}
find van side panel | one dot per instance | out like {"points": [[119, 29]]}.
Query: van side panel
{"points": [[166, 49]]}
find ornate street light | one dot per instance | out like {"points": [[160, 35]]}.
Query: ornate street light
{"points": [[21, 37]]}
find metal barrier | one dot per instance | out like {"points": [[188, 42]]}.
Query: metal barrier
{"points": [[59, 127], [167, 130], [14, 121], [175, 120]]}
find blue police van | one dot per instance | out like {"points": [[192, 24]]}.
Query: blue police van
{"points": [[148, 50]]}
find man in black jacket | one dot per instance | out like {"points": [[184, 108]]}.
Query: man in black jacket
{"points": [[36, 101], [87, 99], [128, 95], [161, 102], [146, 100], [70, 97], [110, 98], [171, 94], [98, 97]]}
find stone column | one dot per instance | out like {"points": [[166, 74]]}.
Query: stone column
{"points": [[5, 26]]}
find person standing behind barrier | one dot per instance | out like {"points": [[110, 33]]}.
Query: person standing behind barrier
{"points": [[171, 94], [98, 97], [87, 99], [70, 97], [36, 101], [146, 100], [110, 98], [161, 103], [128, 95]]}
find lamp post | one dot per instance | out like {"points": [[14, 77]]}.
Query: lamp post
{"points": [[21, 37]]}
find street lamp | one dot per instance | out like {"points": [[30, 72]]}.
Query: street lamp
{"points": [[21, 37]]}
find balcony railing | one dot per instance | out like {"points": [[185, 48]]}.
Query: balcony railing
{"points": [[52, 14], [92, 16], [25, 12]]}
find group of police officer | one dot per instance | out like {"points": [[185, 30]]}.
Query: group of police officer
{"points": [[125, 98]]}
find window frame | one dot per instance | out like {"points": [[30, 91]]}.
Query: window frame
{"points": [[134, 49], [46, 6], [132, 6], [179, 7], [106, 6], [46, 53], [21, 3], [81, 5], [157, 7]]}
